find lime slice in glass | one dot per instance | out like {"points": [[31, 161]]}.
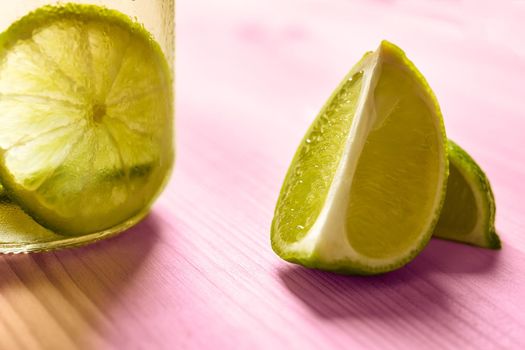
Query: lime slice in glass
{"points": [[86, 102]]}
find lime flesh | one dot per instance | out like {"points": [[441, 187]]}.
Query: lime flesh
{"points": [[85, 102], [311, 172], [366, 185], [469, 210], [397, 171]]}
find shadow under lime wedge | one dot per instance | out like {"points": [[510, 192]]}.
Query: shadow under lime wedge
{"points": [[365, 188], [469, 211], [86, 100]]}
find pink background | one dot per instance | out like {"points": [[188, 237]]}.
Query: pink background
{"points": [[199, 272]]}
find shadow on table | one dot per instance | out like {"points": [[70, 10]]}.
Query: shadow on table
{"points": [[451, 257], [414, 292], [68, 295]]}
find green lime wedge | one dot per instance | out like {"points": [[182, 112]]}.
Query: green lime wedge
{"points": [[365, 188], [85, 93], [469, 211]]}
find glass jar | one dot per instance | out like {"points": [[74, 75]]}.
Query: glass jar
{"points": [[18, 231]]}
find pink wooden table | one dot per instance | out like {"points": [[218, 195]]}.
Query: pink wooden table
{"points": [[199, 272]]}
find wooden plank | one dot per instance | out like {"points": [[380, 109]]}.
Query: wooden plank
{"points": [[199, 271]]}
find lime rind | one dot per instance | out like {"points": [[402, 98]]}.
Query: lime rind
{"points": [[24, 29], [310, 255], [484, 233]]}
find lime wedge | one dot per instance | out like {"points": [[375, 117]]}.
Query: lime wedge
{"points": [[85, 101], [365, 188], [469, 210]]}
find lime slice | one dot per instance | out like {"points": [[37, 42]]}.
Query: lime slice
{"points": [[469, 210], [365, 188], [85, 102], [2, 191]]}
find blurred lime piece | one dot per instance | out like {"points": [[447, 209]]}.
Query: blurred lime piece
{"points": [[469, 211], [19, 233], [365, 188], [85, 101]]}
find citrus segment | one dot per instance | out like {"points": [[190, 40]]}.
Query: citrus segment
{"points": [[376, 192]]}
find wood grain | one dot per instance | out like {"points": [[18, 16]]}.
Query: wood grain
{"points": [[199, 272]]}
